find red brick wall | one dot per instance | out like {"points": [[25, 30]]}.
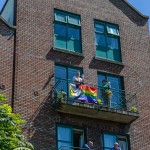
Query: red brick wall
{"points": [[36, 58], [6, 60]]}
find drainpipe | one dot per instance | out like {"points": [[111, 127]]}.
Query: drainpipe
{"points": [[14, 59]]}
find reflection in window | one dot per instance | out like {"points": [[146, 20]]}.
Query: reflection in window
{"points": [[100, 40], [112, 43], [67, 32], [68, 137], [7, 12], [2, 3], [66, 73], [107, 41], [112, 30], [117, 100], [110, 139]]}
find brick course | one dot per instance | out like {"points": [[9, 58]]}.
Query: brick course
{"points": [[6, 60], [36, 58]]}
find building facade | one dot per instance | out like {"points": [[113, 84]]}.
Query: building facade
{"points": [[45, 43]]}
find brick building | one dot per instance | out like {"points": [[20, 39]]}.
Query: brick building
{"points": [[44, 43]]}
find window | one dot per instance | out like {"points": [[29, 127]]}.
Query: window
{"points": [[68, 137], [7, 10], [2, 3], [107, 41], [67, 31], [110, 139], [66, 73], [117, 100]]}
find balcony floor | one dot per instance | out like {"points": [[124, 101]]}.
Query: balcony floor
{"points": [[97, 112]]}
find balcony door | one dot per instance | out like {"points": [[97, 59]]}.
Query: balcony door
{"points": [[117, 99], [110, 139], [63, 76], [69, 138]]}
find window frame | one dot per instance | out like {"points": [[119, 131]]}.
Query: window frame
{"points": [[106, 75], [107, 35], [67, 68], [8, 12], [72, 127], [67, 24], [3, 6], [112, 75], [118, 135]]}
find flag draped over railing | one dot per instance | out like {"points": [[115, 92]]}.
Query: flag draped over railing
{"points": [[83, 93]]}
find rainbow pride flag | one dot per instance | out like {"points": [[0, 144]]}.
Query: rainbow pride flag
{"points": [[83, 93]]}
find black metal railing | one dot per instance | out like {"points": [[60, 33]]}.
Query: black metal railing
{"points": [[118, 99], [72, 148]]}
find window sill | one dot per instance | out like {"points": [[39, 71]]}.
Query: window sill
{"points": [[109, 61], [68, 52]]}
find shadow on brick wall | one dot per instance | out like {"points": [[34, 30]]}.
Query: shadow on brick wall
{"points": [[4, 30], [63, 58], [105, 66], [40, 128]]}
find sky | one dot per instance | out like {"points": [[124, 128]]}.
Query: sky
{"points": [[143, 6]]}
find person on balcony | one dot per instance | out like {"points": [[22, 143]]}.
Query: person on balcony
{"points": [[88, 146], [106, 92], [116, 146], [77, 79]]}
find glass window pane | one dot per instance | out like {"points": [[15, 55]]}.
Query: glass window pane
{"points": [[64, 146], [74, 45], [2, 2], [123, 145], [73, 33], [99, 28], [116, 98], [60, 72], [112, 43], [60, 42], [100, 40], [74, 20], [114, 55], [8, 12], [64, 134], [100, 78], [112, 30], [60, 30], [101, 52], [60, 17], [111, 54], [109, 140]]}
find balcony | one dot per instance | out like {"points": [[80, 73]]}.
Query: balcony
{"points": [[72, 148], [122, 107]]}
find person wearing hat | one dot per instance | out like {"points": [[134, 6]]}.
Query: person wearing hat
{"points": [[116, 146]]}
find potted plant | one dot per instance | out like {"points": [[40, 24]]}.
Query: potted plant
{"points": [[133, 109]]}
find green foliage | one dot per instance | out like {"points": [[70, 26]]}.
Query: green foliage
{"points": [[2, 97], [22, 148], [133, 109], [10, 128], [99, 101], [62, 95]]}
